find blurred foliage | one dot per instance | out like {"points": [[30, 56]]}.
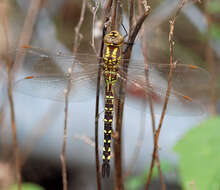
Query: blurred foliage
{"points": [[28, 186], [136, 182], [199, 152], [215, 31], [214, 6]]}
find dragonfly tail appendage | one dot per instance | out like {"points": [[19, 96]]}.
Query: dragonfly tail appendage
{"points": [[107, 134], [105, 169]]}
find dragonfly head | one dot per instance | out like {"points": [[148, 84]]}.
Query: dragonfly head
{"points": [[113, 38]]}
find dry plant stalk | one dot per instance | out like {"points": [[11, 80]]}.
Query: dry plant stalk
{"points": [[26, 33], [144, 52], [127, 54], [98, 171], [172, 65], [209, 56], [10, 64], [63, 154], [23, 40]]}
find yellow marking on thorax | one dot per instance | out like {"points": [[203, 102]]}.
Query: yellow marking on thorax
{"points": [[107, 53], [114, 53]]}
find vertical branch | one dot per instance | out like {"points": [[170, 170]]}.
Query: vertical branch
{"points": [[144, 52], [209, 55], [118, 140], [26, 33], [114, 15], [63, 153], [10, 97], [131, 16], [157, 133], [163, 185], [98, 175]]}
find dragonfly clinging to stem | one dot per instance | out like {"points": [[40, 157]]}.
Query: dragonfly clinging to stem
{"points": [[49, 80]]}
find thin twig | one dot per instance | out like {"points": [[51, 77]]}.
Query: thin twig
{"points": [[94, 12], [144, 52], [10, 64], [131, 16], [209, 55], [157, 133], [106, 9], [119, 115], [141, 135], [114, 14], [63, 154], [134, 32], [144, 49], [98, 173], [26, 33]]}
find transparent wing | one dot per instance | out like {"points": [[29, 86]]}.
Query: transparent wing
{"points": [[37, 61], [184, 75], [47, 75], [138, 91], [55, 87], [51, 79]]}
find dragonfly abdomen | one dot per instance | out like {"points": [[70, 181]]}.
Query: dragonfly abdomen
{"points": [[109, 101]]}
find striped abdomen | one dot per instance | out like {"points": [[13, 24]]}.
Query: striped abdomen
{"points": [[109, 101], [111, 59]]}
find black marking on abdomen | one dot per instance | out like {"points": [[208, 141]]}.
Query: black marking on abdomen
{"points": [[109, 101]]}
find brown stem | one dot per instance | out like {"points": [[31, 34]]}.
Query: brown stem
{"points": [[119, 115], [26, 34], [209, 55], [157, 133], [134, 33], [14, 133], [63, 153], [117, 146], [114, 15], [144, 51], [10, 98], [98, 173]]}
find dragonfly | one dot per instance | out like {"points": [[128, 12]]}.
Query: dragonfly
{"points": [[47, 76]]}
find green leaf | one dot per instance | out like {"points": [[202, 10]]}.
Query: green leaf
{"points": [[27, 186], [136, 182], [214, 6], [215, 31], [199, 152]]}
